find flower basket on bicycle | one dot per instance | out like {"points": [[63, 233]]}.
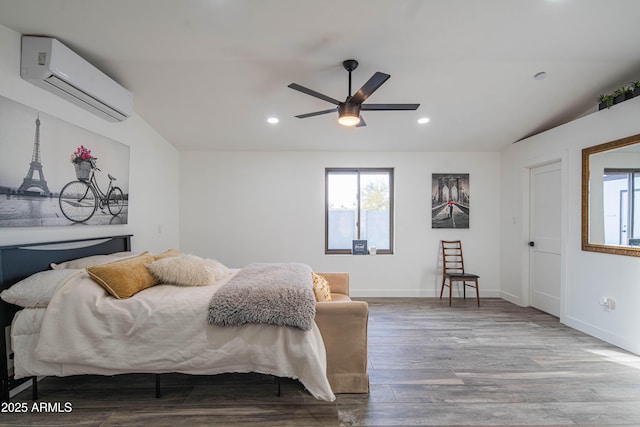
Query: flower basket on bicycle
{"points": [[83, 170], [83, 162]]}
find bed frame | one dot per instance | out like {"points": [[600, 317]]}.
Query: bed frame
{"points": [[20, 261]]}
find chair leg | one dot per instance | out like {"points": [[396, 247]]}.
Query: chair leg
{"points": [[464, 290], [450, 291], [477, 292]]}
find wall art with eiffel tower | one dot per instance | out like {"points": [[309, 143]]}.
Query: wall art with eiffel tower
{"points": [[53, 173]]}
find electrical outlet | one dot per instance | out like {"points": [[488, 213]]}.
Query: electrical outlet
{"points": [[611, 304], [607, 303]]}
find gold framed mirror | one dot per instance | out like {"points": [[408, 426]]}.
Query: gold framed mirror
{"points": [[611, 197]]}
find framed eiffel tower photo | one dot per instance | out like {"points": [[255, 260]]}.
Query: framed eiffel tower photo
{"points": [[53, 173]]}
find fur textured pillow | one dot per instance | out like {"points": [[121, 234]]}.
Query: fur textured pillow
{"points": [[187, 270]]}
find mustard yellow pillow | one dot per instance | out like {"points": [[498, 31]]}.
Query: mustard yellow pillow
{"points": [[167, 254], [125, 278], [321, 288]]}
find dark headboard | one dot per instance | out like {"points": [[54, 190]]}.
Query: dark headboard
{"points": [[20, 261]]}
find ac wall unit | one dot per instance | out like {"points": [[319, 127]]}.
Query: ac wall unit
{"points": [[51, 65]]}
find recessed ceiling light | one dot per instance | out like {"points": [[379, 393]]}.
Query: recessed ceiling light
{"points": [[423, 120], [273, 120], [540, 76]]}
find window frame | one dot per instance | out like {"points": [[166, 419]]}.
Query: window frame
{"points": [[387, 170]]}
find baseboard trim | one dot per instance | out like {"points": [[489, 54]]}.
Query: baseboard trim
{"points": [[511, 298], [396, 293], [601, 334]]}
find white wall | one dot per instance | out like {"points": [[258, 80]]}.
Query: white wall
{"points": [[153, 209], [586, 276], [243, 207]]}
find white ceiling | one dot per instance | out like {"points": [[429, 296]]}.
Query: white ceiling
{"points": [[206, 74]]}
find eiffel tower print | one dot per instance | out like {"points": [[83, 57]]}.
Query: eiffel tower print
{"points": [[35, 166]]}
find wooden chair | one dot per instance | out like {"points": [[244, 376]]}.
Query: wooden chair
{"points": [[453, 269]]}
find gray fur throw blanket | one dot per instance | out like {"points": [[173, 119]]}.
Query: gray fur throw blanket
{"points": [[268, 293]]}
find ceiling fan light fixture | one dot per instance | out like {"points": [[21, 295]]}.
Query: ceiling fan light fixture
{"points": [[348, 114], [348, 120]]}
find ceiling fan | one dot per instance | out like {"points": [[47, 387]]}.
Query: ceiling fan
{"points": [[349, 110]]}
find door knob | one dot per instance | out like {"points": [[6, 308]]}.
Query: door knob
{"points": [[532, 244]]}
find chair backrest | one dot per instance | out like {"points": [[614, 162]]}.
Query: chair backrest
{"points": [[452, 260]]}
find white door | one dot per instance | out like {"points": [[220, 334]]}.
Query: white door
{"points": [[544, 238]]}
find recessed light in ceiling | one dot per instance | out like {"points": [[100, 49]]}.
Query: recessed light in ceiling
{"points": [[540, 76], [423, 120], [273, 120]]}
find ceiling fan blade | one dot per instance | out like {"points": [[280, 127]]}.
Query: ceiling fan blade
{"points": [[316, 113], [311, 92], [387, 107], [369, 87], [362, 123]]}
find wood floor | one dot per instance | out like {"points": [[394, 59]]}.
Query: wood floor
{"points": [[430, 364]]}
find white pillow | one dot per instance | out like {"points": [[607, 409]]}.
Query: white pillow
{"points": [[92, 261], [37, 289], [188, 270]]}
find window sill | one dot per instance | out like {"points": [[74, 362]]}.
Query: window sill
{"points": [[350, 254]]}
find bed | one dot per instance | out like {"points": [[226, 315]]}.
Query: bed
{"points": [[162, 329]]}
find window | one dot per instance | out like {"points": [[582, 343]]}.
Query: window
{"points": [[358, 206], [622, 212]]}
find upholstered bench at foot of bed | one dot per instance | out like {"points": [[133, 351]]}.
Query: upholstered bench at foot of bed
{"points": [[343, 325]]}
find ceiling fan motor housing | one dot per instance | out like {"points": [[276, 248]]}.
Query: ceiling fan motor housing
{"points": [[348, 109], [350, 64]]}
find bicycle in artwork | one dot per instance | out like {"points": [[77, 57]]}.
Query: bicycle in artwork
{"points": [[79, 200]]}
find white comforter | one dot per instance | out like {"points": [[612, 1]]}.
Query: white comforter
{"points": [[161, 329]]}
